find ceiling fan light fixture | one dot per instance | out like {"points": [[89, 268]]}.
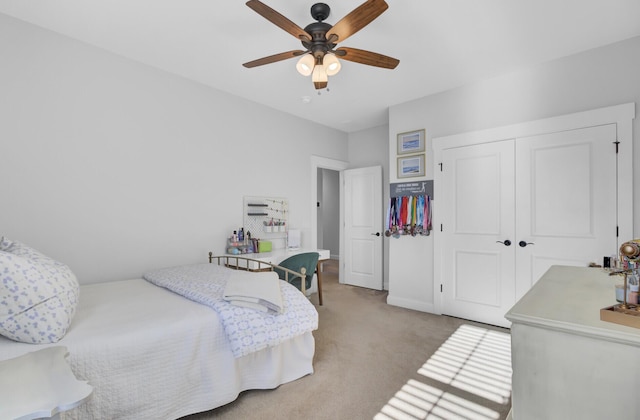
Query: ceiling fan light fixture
{"points": [[319, 77], [331, 64], [306, 64], [319, 39]]}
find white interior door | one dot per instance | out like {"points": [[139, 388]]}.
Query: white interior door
{"points": [[363, 227], [565, 201], [478, 231], [552, 196]]}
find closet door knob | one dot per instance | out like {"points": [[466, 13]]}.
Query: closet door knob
{"points": [[505, 243], [377, 233], [523, 243]]}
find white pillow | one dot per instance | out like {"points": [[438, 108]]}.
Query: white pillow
{"points": [[38, 295]]}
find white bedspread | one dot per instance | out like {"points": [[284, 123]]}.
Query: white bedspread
{"points": [[247, 330], [149, 353]]}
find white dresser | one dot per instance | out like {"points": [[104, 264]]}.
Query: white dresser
{"points": [[567, 363]]}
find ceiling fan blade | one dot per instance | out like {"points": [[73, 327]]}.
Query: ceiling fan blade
{"points": [[360, 17], [367, 57], [278, 20], [273, 58]]}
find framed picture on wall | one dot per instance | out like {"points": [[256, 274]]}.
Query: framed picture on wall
{"points": [[411, 166], [411, 142]]}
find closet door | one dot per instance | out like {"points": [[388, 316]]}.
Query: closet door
{"points": [[478, 231], [565, 201], [552, 196]]}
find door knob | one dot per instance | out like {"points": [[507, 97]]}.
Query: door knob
{"points": [[377, 233], [523, 243], [505, 243]]}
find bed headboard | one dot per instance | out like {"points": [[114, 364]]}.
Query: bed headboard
{"points": [[251, 264]]}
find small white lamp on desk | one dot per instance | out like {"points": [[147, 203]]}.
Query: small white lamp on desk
{"points": [[39, 384], [293, 239]]}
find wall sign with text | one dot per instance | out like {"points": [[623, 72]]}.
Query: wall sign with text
{"points": [[399, 189]]}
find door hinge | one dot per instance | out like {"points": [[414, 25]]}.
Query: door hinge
{"points": [[440, 288], [617, 231], [440, 227], [440, 166], [617, 143]]}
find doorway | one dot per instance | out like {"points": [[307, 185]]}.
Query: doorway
{"points": [[321, 163], [328, 199], [359, 263]]}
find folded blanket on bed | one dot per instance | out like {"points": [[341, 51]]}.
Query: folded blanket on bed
{"points": [[247, 330], [259, 291]]}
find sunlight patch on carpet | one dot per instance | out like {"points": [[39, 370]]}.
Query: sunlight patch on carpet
{"points": [[474, 359]]}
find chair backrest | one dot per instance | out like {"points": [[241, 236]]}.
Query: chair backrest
{"points": [[308, 260]]}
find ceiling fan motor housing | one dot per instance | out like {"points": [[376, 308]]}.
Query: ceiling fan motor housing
{"points": [[318, 31], [319, 45]]}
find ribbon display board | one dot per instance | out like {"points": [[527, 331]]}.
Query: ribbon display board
{"points": [[400, 189], [408, 215]]}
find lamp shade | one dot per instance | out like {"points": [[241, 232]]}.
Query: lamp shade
{"points": [[331, 64], [305, 64], [319, 77]]}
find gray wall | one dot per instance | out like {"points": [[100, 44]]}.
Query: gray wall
{"points": [[593, 79], [596, 78], [115, 168]]}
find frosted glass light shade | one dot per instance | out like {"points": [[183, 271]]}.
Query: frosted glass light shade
{"points": [[319, 74], [331, 64], [305, 64], [319, 77]]}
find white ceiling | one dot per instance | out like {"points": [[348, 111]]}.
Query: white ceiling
{"points": [[441, 44]]}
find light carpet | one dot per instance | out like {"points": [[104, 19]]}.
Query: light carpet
{"points": [[374, 360]]}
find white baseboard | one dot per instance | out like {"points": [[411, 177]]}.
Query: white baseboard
{"points": [[416, 305]]}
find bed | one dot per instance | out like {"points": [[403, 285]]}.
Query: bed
{"points": [[151, 353]]}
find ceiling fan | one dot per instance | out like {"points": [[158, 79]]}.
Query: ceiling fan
{"points": [[320, 56]]}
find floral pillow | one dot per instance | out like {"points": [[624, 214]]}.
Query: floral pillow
{"points": [[38, 295]]}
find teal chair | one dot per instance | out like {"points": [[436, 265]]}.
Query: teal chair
{"points": [[307, 260]]}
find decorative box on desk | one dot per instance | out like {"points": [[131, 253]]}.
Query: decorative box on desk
{"points": [[242, 248], [265, 246], [238, 247]]}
